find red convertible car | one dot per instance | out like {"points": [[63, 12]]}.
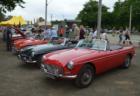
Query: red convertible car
{"points": [[19, 44], [89, 58]]}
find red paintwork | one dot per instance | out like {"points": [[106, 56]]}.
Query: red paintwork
{"points": [[22, 35], [102, 60], [19, 44]]}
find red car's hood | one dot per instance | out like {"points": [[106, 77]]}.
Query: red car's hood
{"points": [[17, 43], [31, 42], [63, 57]]}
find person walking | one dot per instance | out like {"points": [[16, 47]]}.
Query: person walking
{"points": [[120, 35], [127, 37]]}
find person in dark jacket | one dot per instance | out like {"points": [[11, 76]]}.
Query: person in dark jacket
{"points": [[8, 39], [82, 32]]}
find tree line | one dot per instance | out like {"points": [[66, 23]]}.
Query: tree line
{"points": [[119, 17]]}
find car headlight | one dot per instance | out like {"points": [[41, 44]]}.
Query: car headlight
{"points": [[70, 65], [33, 53], [21, 50]]}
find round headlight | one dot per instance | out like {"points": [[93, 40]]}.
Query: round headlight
{"points": [[70, 65]]}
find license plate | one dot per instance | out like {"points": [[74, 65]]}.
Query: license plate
{"points": [[49, 75]]}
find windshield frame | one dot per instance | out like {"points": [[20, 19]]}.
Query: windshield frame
{"points": [[104, 49]]}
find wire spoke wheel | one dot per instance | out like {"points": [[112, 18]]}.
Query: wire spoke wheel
{"points": [[86, 77]]}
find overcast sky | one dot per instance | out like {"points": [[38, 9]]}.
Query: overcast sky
{"points": [[59, 9]]}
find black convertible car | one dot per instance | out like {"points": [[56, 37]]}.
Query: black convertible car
{"points": [[33, 54]]}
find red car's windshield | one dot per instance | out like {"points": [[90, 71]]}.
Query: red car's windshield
{"points": [[94, 44]]}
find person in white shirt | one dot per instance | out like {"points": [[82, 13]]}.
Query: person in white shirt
{"points": [[104, 35], [94, 35]]}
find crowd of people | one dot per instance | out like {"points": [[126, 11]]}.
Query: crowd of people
{"points": [[73, 33]]}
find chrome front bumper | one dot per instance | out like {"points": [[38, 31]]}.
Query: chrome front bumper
{"points": [[24, 59], [53, 76]]}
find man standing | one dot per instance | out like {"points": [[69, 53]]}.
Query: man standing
{"points": [[82, 32], [76, 32], [8, 39], [61, 31]]}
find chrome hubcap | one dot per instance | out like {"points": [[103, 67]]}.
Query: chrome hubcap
{"points": [[87, 77]]}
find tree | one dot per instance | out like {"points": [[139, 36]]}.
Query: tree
{"points": [[122, 11], [9, 5], [2, 16], [89, 14]]}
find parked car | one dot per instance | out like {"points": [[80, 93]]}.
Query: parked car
{"points": [[16, 34], [88, 59], [33, 54], [18, 45]]}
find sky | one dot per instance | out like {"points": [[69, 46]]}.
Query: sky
{"points": [[57, 9]]}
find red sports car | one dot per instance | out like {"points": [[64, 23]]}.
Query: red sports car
{"points": [[89, 58], [19, 44]]}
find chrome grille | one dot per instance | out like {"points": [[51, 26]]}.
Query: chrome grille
{"points": [[53, 69]]}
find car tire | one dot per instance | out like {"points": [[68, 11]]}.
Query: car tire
{"points": [[85, 76], [39, 61], [127, 62]]}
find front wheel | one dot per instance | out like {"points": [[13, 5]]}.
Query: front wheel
{"points": [[85, 76], [39, 61], [127, 62]]}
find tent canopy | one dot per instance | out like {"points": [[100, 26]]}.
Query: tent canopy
{"points": [[15, 20]]}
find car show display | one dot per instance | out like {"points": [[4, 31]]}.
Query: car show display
{"points": [[63, 58]]}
